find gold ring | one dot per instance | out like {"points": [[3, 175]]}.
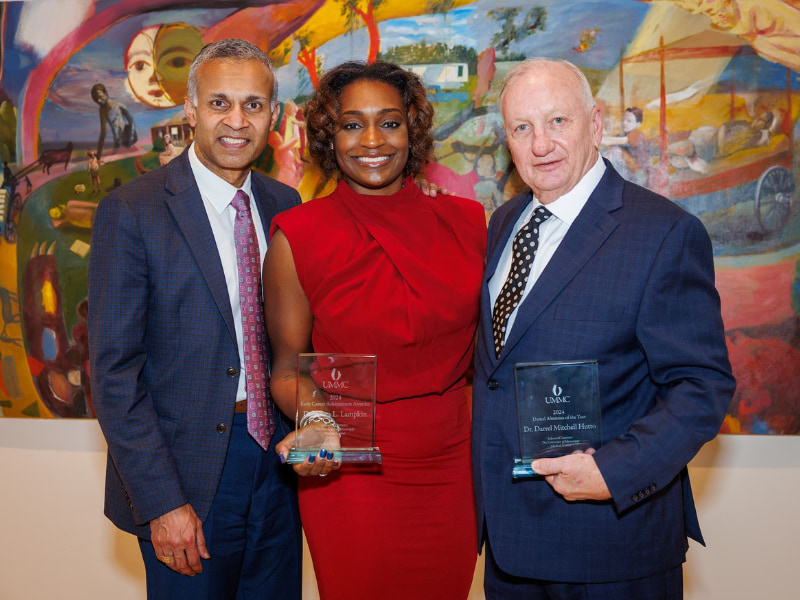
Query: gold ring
{"points": [[166, 560]]}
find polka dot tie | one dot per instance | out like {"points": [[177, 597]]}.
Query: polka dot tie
{"points": [[260, 415], [525, 244]]}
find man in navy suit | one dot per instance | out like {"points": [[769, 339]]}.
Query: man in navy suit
{"points": [[623, 276], [215, 514]]}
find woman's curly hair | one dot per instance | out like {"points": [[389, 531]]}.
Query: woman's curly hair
{"points": [[323, 108]]}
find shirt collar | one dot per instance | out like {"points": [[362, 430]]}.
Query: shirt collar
{"points": [[216, 190], [567, 207]]}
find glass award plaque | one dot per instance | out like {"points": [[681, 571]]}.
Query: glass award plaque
{"points": [[558, 410], [337, 390]]}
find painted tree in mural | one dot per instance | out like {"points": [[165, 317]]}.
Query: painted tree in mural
{"points": [[534, 22], [422, 52], [439, 6], [307, 56], [355, 17], [8, 131]]}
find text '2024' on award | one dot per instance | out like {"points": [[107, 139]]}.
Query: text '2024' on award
{"points": [[558, 410], [336, 401]]}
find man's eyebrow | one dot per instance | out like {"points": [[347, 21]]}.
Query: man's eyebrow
{"points": [[250, 98]]}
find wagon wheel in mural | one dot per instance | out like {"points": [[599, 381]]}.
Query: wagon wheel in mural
{"points": [[10, 228], [773, 202], [10, 232]]}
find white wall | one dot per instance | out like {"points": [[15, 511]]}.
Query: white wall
{"points": [[56, 543]]}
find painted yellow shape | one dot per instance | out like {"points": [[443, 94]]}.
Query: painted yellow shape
{"points": [[48, 298]]}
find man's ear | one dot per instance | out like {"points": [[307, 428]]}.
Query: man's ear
{"points": [[597, 125], [188, 109]]}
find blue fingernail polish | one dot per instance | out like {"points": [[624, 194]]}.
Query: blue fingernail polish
{"points": [[283, 458], [336, 463], [311, 458], [323, 453], [330, 455]]}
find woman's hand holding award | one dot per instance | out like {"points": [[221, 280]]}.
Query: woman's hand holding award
{"points": [[336, 407]]}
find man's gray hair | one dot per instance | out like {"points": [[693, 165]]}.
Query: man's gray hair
{"points": [[234, 49], [523, 67]]}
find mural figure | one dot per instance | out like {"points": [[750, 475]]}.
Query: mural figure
{"points": [[629, 152], [170, 151], [77, 213], [93, 166], [287, 147], [707, 143], [119, 119]]}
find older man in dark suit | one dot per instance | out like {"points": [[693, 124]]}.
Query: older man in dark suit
{"points": [[178, 350], [605, 270]]}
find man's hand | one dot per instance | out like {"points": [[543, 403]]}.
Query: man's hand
{"points": [[575, 476], [431, 189], [178, 540]]}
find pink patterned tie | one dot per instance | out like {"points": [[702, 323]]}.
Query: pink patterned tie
{"points": [[260, 416]]}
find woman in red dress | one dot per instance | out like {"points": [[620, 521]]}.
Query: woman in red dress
{"points": [[379, 268]]}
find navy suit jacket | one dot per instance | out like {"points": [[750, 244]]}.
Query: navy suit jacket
{"points": [[164, 359], [631, 285]]}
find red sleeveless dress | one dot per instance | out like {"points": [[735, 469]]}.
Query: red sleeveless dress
{"points": [[398, 276]]}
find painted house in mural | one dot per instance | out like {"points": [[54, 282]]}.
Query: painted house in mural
{"points": [[449, 76], [443, 81], [176, 126]]}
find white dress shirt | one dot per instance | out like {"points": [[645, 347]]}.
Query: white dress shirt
{"points": [[217, 196], [565, 210]]}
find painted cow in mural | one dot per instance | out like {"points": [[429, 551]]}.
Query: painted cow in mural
{"points": [[48, 158]]}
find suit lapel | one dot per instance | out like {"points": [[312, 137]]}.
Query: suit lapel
{"points": [[499, 232], [586, 235], [186, 205], [265, 202]]}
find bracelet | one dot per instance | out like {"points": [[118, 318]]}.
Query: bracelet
{"points": [[320, 416]]}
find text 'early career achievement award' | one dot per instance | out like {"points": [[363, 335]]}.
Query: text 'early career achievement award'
{"points": [[336, 393]]}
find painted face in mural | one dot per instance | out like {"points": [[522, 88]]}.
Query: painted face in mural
{"points": [[158, 61], [371, 141], [553, 136], [232, 118], [629, 122], [142, 81], [173, 50]]}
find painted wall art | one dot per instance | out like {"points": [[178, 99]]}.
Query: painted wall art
{"points": [[700, 102]]}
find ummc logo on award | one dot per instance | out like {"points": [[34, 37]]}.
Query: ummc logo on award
{"points": [[557, 397], [335, 382]]}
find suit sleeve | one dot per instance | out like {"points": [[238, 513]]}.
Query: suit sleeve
{"points": [[118, 302], [681, 333]]}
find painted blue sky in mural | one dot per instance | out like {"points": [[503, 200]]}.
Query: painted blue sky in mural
{"points": [[472, 26]]}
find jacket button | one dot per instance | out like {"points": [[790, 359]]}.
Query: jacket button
{"points": [[493, 385], [222, 428], [232, 372]]}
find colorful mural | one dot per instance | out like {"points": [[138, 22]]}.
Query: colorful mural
{"points": [[700, 103]]}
